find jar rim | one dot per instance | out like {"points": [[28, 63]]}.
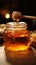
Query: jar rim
{"points": [[16, 24]]}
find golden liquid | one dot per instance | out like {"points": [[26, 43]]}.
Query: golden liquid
{"points": [[17, 40]]}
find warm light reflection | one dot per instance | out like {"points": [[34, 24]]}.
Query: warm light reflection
{"points": [[7, 16], [18, 47]]}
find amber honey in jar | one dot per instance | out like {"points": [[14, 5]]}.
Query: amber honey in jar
{"points": [[16, 36]]}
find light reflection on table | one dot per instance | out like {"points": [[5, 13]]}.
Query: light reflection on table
{"points": [[3, 60]]}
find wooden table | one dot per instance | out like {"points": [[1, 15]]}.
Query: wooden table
{"points": [[18, 58], [3, 60]]}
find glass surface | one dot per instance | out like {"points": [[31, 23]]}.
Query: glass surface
{"points": [[16, 37]]}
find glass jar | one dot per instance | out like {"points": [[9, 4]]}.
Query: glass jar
{"points": [[16, 36], [33, 39]]}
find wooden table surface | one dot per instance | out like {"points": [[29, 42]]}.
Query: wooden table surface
{"points": [[3, 57], [28, 58]]}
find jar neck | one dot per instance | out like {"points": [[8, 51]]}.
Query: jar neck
{"points": [[16, 25]]}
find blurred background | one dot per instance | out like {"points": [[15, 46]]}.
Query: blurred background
{"points": [[26, 7]]}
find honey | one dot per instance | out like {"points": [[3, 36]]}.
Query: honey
{"points": [[16, 37]]}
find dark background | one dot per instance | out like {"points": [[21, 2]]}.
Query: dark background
{"points": [[26, 7]]}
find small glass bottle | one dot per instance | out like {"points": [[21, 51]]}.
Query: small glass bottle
{"points": [[16, 36]]}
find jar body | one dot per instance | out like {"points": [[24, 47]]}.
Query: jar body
{"points": [[17, 39]]}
